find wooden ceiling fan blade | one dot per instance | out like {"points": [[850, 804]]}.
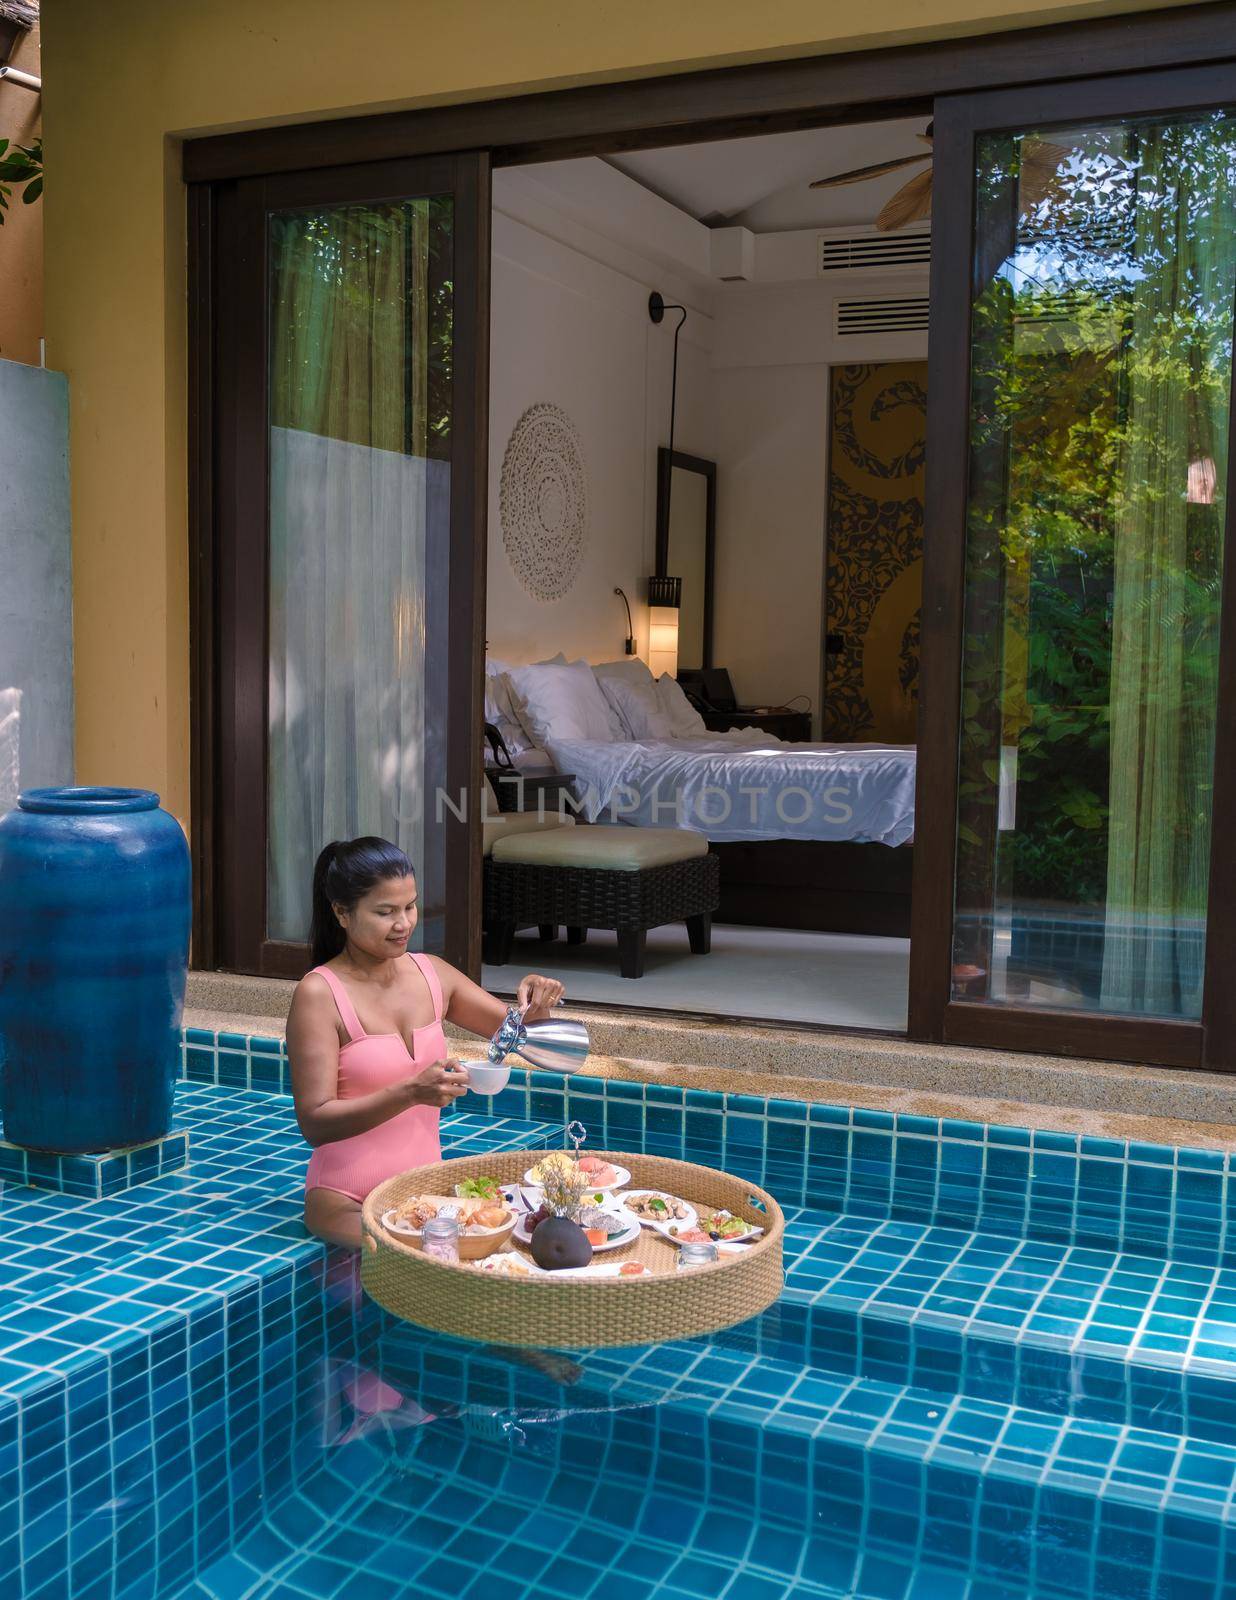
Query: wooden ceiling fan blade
{"points": [[861, 174], [911, 203], [1040, 168]]}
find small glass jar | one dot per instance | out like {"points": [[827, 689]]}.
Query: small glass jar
{"points": [[696, 1253], [440, 1238]]}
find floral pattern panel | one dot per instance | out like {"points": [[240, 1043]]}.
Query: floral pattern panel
{"points": [[874, 554]]}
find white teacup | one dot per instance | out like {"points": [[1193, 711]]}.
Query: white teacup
{"points": [[484, 1077]]}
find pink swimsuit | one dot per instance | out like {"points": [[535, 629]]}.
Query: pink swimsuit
{"points": [[372, 1061]]}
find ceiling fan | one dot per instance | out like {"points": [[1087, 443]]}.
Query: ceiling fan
{"points": [[1040, 164]]}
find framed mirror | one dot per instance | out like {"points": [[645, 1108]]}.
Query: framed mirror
{"points": [[686, 534]]}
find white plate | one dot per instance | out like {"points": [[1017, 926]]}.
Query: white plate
{"points": [[616, 1242], [393, 1225], [598, 1269], [751, 1234], [621, 1178], [689, 1221]]}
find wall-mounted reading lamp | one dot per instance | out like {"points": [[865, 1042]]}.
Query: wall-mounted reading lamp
{"points": [[665, 594], [629, 646], [656, 311]]}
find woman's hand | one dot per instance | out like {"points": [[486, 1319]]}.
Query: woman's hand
{"points": [[536, 997], [438, 1085]]}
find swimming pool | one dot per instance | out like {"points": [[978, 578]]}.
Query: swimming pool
{"points": [[1003, 1366]]}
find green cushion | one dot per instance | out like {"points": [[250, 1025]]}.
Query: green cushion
{"points": [[620, 849], [514, 822]]}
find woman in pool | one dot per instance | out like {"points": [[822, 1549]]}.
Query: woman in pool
{"points": [[370, 1067]]}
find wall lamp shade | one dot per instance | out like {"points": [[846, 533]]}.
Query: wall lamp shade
{"points": [[664, 599]]}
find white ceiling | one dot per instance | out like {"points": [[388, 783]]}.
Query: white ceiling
{"points": [[762, 182]]}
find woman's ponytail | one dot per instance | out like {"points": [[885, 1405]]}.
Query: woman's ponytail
{"points": [[345, 871]]}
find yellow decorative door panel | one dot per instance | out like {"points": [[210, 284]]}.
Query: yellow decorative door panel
{"points": [[874, 547]]}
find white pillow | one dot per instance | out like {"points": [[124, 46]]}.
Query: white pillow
{"points": [[686, 720], [561, 702], [629, 670], [501, 710], [634, 697]]}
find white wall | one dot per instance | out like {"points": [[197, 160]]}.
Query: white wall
{"points": [[570, 325], [773, 351], [36, 646]]}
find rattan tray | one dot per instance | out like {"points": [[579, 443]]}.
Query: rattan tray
{"points": [[573, 1313]]}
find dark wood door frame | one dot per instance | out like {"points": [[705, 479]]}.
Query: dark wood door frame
{"points": [[699, 106], [725, 102], [229, 452], [934, 1014]]}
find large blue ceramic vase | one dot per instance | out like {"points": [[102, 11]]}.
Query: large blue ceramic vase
{"points": [[94, 941]]}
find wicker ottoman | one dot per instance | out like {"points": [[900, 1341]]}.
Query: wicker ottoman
{"points": [[628, 879]]}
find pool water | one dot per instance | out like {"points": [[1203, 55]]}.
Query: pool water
{"points": [[1003, 1368], [701, 1469]]}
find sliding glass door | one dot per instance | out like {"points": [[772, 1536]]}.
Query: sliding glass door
{"points": [[1081, 538], [351, 475]]}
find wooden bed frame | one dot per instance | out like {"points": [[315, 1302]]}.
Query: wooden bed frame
{"points": [[826, 886]]}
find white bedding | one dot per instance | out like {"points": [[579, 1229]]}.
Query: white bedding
{"points": [[746, 785]]}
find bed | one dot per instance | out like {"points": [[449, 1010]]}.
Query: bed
{"points": [[809, 835]]}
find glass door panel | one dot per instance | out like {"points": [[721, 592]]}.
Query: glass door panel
{"points": [[348, 524], [359, 335], [1104, 272]]}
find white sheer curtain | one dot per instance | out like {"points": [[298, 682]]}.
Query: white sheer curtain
{"points": [[347, 656], [1168, 559]]}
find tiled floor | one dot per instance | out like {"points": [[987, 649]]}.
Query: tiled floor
{"points": [[1169, 1314], [925, 1409], [785, 974], [79, 1277]]}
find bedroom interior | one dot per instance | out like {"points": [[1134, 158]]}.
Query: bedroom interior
{"points": [[707, 424]]}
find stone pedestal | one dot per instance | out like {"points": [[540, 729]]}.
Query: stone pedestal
{"points": [[93, 1176]]}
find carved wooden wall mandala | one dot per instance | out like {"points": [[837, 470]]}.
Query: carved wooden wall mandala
{"points": [[543, 501]]}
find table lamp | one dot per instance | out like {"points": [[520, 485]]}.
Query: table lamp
{"points": [[664, 600]]}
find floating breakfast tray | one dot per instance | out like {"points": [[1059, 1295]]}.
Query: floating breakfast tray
{"points": [[548, 1311]]}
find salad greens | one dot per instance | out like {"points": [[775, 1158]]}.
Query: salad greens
{"points": [[478, 1189]]}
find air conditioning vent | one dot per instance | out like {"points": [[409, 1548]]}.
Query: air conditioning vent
{"points": [[851, 251], [906, 314]]}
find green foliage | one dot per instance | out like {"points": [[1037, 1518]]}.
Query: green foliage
{"points": [[1061, 340], [20, 164]]}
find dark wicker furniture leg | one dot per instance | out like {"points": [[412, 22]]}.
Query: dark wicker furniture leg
{"points": [[520, 895]]}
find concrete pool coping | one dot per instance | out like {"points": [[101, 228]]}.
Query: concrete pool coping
{"points": [[1160, 1105]]}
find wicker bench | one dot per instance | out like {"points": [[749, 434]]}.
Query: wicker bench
{"points": [[627, 879]]}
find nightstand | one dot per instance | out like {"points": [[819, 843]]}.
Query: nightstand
{"points": [[529, 788], [792, 726]]}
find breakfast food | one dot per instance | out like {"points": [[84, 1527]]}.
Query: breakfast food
{"points": [[558, 1166], [505, 1266], [633, 1269], [475, 1216], [598, 1171], [597, 1217], [690, 1235], [723, 1225], [486, 1188], [655, 1207]]}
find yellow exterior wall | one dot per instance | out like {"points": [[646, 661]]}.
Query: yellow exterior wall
{"points": [[123, 83]]}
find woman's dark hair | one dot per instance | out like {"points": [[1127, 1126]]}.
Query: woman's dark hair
{"points": [[346, 870]]}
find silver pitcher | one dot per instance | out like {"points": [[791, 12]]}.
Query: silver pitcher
{"points": [[558, 1044]]}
